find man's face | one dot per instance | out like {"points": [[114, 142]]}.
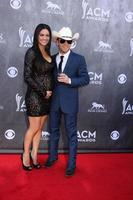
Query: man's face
{"points": [[64, 45]]}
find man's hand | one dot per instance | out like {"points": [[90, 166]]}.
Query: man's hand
{"points": [[48, 94], [63, 78]]}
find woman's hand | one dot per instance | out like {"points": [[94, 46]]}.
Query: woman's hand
{"points": [[48, 94]]}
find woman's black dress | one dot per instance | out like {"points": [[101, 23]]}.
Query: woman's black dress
{"points": [[38, 76]]}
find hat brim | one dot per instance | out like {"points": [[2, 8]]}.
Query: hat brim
{"points": [[56, 35]]}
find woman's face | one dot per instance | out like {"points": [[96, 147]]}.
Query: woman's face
{"points": [[43, 37]]}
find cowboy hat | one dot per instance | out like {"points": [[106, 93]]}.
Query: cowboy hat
{"points": [[65, 33]]}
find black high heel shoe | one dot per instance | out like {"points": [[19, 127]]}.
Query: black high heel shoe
{"points": [[27, 168], [37, 165]]}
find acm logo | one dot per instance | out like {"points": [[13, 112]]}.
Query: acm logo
{"points": [[86, 136], [127, 107], [95, 78], [25, 39], [98, 14], [21, 107]]}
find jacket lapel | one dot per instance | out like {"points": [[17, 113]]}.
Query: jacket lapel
{"points": [[69, 61]]}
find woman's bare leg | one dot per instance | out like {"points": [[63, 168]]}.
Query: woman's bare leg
{"points": [[36, 139], [34, 127]]}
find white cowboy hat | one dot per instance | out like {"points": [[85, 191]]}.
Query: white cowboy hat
{"points": [[65, 33]]}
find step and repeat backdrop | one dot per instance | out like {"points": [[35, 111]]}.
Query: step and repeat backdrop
{"points": [[105, 121]]}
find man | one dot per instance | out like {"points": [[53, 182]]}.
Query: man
{"points": [[70, 73]]}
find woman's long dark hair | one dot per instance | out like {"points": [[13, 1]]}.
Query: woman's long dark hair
{"points": [[36, 34]]}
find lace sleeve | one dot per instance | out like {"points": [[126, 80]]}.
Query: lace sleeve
{"points": [[28, 73]]}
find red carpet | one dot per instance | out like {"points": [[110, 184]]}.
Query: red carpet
{"points": [[98, 177]]}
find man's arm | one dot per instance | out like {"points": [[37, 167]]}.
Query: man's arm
{"points": [[83, 77]]}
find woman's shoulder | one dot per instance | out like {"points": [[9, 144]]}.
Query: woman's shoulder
{"points": [[30, 52]]}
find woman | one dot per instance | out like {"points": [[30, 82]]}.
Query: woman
{"points": [[38, 69]]}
